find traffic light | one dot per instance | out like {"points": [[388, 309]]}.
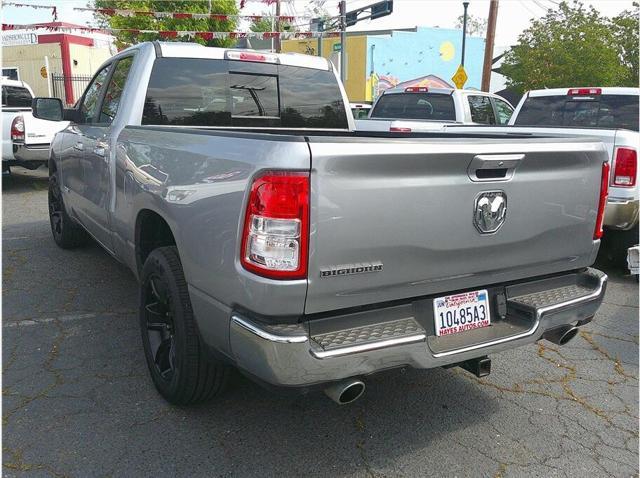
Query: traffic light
{"points": [[375, 10]]}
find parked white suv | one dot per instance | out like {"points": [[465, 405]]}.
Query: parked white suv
{"points": [[419, 108], [25, 139]]}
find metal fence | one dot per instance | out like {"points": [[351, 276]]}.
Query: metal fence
{"points": [[69, 88]]}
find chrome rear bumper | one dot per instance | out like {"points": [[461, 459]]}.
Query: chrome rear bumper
{"points": [[303, 354], [36, 153], [621, 214]]}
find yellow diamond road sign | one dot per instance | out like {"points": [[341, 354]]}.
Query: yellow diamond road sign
{"points": [[460, 77]]}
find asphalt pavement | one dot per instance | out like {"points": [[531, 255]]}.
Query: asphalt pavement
{"points": [[78, 400]]}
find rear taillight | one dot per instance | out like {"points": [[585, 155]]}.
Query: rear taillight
{"points": [[398, 129], [584, 91], [416, 89], [604, 192], [17, 129], [276, 228], [625, 167]]}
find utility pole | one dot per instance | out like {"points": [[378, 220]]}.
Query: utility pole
{"points": [[343, 40], [278, 42], [464, 29], [488, 47]]}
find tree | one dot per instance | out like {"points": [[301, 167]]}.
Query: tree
{"points": [[625, 27], [144, 22], [264, 25], [476, 26], [570, 46]]}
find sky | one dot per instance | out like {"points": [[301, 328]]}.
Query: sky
{"points": [[513, 15]]}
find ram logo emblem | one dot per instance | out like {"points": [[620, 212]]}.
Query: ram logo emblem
{"points": [[490, 211]]}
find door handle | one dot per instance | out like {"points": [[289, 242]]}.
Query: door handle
{"points": [[493, 167], [79, 146], [100, 149]]}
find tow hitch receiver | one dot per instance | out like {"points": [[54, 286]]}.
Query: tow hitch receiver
{"points": [[480, 367]]}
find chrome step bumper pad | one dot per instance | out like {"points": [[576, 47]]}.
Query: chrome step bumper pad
{"points": [[290, 355]]}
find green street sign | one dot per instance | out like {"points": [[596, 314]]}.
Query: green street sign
{"points": [[337, 47]]}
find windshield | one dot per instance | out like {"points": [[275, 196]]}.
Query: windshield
{"points": [[422, 106], [597, 111]]}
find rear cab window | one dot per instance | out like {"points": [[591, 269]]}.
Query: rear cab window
{"points": [[16, 97], [203, 92], [590, 111], [421, 106]]}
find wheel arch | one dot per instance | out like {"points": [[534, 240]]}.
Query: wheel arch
{"points": [[152, 230]]}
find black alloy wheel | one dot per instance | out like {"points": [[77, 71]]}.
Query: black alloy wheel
{"points": [[181, 368], [160, 328]]}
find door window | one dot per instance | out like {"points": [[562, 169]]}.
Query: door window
{"points": [[503, 111], [481, 110], [114, 90], [89, 107]]}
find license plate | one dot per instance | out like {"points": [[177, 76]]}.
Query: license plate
{"points": [[460, 312]]}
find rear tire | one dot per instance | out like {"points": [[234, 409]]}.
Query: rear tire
{"points": [[180, 368], [66, 232]]}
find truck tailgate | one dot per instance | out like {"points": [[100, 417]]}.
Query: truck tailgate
{"points": [[394, 218]]}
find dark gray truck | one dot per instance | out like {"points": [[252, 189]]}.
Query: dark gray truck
{"points": [[269, 236]]}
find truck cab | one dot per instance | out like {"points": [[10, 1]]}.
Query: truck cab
{"points": [[421, 108]]}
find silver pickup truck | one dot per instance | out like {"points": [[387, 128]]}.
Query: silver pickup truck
{"points": [[269, 236]]}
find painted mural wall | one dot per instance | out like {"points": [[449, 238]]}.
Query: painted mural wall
{"points": [[428, 52]]}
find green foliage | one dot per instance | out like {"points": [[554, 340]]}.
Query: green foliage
{"points": [[570, 46], [625, 28], [476, 26], [264, 25], [123, 39]]}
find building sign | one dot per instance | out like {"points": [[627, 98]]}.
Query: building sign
{"points": [[14, 39]]}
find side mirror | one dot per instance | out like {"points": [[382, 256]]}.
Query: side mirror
{"points": [[47, 109]]}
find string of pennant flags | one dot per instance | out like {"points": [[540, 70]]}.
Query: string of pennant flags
{"points": [[53, 8], [205, 35], [188, 15]]}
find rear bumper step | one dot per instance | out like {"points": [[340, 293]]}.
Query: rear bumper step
{"points": [[366, 342]]}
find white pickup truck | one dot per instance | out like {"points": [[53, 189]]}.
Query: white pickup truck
{"points": [[607, 114], [422, 109], [25, 139]]}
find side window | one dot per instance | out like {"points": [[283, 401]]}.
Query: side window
{"points": [[187, 91], [503, 111], [481, 110], [114, 90], [89, 107]]}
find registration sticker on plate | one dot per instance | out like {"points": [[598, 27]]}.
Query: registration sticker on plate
{"points": [[460, 312]]}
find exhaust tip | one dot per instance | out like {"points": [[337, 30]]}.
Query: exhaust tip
{"points": [[351, 393], [568, 335], [345, 392], [561, 335]]}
